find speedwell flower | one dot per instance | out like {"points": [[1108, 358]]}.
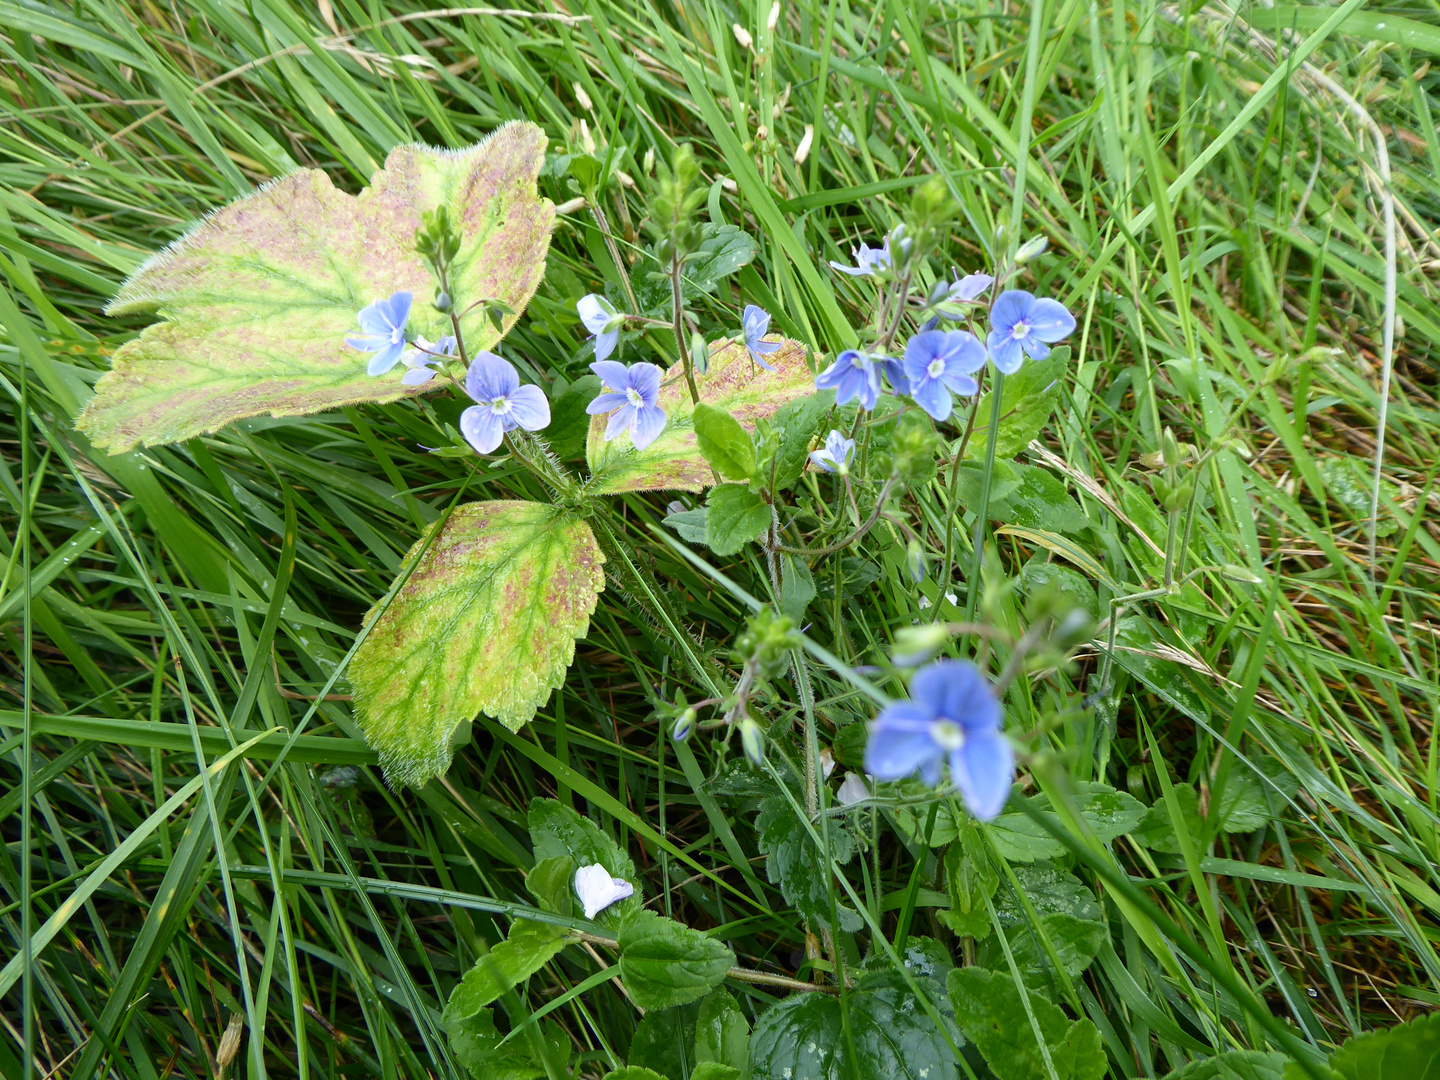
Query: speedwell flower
{"points": [[633, 393], [383, 326], [940, 363], [951, 718], [871, 261], [1022, 326], [503, 404], [835, 455], [423, 360], [756, 324], [894, 371], [853, 376], [602, 320]]}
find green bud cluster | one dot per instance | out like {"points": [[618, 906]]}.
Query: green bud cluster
{"points": [[438, 238], [913, 449], [766, 640], [678, 195]]}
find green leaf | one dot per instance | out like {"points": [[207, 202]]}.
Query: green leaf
{"points": [[797, 587], [486, 622], [664, 963], [674, 461], [724, 443], [552, 884], [1076, 941], [634, 1072], [1050, 890], [795, 864], [1233, 1065], [526, 949], [990, 1011], [256, 301], [723, 251], [1027, 402], [722, 1034], [1040, 501], [803, 1037], [734, 515], [475, 1042], [969, 879], [1073, 585], [1157, 829], [713, 1070], [557, 831], [1405, 1052], [796, 423], [1109, 812], [690, 524], [569, 422], [665, 1041]]}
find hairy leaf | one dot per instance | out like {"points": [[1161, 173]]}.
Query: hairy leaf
{"points": [[256, 301], [476, 1043], [795, 864], [722, 1034], [726, 445], [673, 461], [1233, 1065], [664, 963], [526, 949], [989, 1010], [487, 621], [969, 879], [734, 515], [665, 1040], [1404, 1052], [1110, 813]]}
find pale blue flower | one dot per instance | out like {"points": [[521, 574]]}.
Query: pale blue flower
{"points": [[834, 456], [893, 370], [967, 289], [383, 327], [423, 361], [1022, 326], [503, 404], [602, 320], [940, 363], [871, 261], [853, 376], [755, 325], [951, 719], [634, 394]]}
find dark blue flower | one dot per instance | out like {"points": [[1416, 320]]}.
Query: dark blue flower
{"points": [[633, 393], [893, 370], [1022, 326], [854, 377], [503, 404], [939, 363], [835, 455], [755, 324], [602, 320], [951, 718], [383, 324]]}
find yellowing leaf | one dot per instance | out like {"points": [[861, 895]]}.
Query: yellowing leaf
{"points": [[673, 461], [256, 301], [486, 622]]}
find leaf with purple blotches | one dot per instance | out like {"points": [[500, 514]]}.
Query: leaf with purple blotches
{"points": [[256, 302], [486, 622]]}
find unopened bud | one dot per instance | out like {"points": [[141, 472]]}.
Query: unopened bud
{"points": [[1032, 248], [626, 180], [753, 741], [230, 1041], [827, 763], [774, 19], [742, 36], [1177, 499], [1170, 449], [762, 133], [803, 150], [583, 98], [442, 301], [916, 644], [915, 561], [649, 162], [587, 143], [699, 353], [1240, 573], [684, 726]]}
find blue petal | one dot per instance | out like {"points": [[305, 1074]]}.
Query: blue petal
{"points": [[931, 395], [964, 385], [1005, 352], [1010, 308], [853, 271], [1035, 348], [984, 771], [615, 375], [418, 375], [368, 344], [385, 359], [759, 359], [1049, 321], [482, 428], [399, 304], [822, 460], [530, 408], [894, 755], [620, 421], [491, 377], [605, 402], [374, 319], [955, 690], [755, 322], [966, 355], [595, 312], [605, 343], [649, 423], [645, 378]]}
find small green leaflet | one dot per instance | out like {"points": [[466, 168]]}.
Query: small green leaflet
{"points": [[989, 1010], [664, 963], [722, 1034], [560, 836], [734, 383], [486, 622], [256, 301], [1110, 813], [734, 515], [526, 949], [1027, 401], [1233, 1065]]}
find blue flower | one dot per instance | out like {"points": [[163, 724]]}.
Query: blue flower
{"points": [[633, 393], [894, 372], [835, 455], [951, 718], [1021, 326], [755, 325], [939, 363], [967, 290], [602, 320], [871, 261], [853, 376], [423, 360], [383, 324], [503, 405]]}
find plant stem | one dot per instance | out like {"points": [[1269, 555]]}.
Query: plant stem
{"points": [[679, 309], [982, 511], [604, 226]]}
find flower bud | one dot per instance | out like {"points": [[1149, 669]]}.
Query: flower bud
{"points": [[1031, 249], [587, 141], [583, 98], [803, 150], [1240, 573], [1179, 498], [742, 36], [1170, 448], [684, 726], [753, 740], [915, 561], [649, 162], [774, 19], [442, 301], [916, 644]]}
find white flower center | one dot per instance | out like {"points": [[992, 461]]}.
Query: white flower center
{"points": [[1020, 330], [500, 405], [633, 397], [397, 335], [948, 735], [935, 368]]}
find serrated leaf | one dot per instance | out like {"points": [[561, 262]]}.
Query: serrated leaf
{"points": [[723, 250], [1076, 941], [1039, 501], [989, 1010], [722, 1034], [795, 864], [633, 1072], [797, 587], [1404, 1052], [1110, 813], [665, 1040], [526, 949], [1233, 1065], [726, 445], [734, 515], [258, 298], [713, 1070], [1050, 890], [969, 879], [1027, 401], [486, 622], [569, 422], [475, 1042], [732, 382], [664, 963], [797, 423], [556, 830], [803, 1038], [690, 524], [551, 883]]}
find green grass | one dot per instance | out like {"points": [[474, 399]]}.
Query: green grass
{"points": [[1202, 203]]}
